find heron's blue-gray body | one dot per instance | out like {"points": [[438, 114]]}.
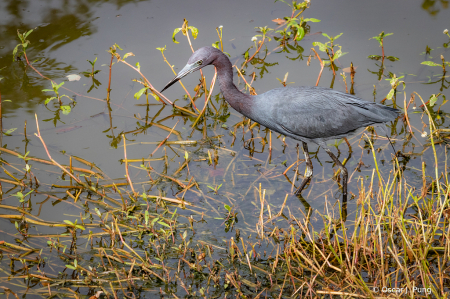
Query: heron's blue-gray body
{"points": [[308, 114], [316, 114]]}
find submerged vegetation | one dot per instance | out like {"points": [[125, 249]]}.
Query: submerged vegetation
{"points": [[193, 220]]}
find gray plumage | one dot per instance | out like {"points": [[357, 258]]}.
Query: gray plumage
{"points": [[307, 114], [316, 114]]}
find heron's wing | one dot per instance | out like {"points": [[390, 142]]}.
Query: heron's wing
{"points": [[316, 112]]}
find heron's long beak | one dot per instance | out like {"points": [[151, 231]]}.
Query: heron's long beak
{"points": [[189, 68]]}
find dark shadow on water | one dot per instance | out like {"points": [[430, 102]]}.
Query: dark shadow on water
{"points": [[304, 202], [308, 208], [433, 7]]}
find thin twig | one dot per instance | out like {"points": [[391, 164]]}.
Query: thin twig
{"points": [[182, 85], [126, 164], [256, 52], [321, 66], [167, 137], [109, 81], [91, 188], [148, 82], [213, 82]]}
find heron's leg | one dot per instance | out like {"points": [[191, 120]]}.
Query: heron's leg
{"points": [[309, 169], [344, 173]]}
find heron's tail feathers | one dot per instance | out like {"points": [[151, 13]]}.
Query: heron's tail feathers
{"points": [[384, 113], [390, 109]]}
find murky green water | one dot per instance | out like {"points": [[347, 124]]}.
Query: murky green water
{"points": [[67, 33]]}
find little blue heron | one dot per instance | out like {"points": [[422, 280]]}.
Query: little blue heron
{"points": [[306, 113]]}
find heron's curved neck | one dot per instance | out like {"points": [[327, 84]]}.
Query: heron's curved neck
{"points": [[238, 100]]}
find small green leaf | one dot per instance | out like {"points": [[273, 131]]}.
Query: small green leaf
{"points": [[392, 58], [322, 47], [186, 155], [25, 35], [311, 20], [338, 54], [430, 63], [337, 36], [71, 267], [326, 35], [66, 109], [194, 31], [8, 132], [128, 55], [282, 1], [300, 33], [138, 94], [433, 100], [69, 222], [156, 97], [48, 100], [390, 94], [161, 49], [154, 220], [138, 66], [15, 51], [28, 193], [163, 223], [174, 33], [378, 39], [374, 57], [227, 207], [147, 217], [19, 195]]}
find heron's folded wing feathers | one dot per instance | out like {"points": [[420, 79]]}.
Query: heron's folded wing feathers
{"points": [[317, 112]]}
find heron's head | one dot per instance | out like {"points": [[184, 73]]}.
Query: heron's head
{"points": [[199, 59]]}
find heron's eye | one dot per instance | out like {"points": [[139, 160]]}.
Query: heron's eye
{"points": [[200, 62]]}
